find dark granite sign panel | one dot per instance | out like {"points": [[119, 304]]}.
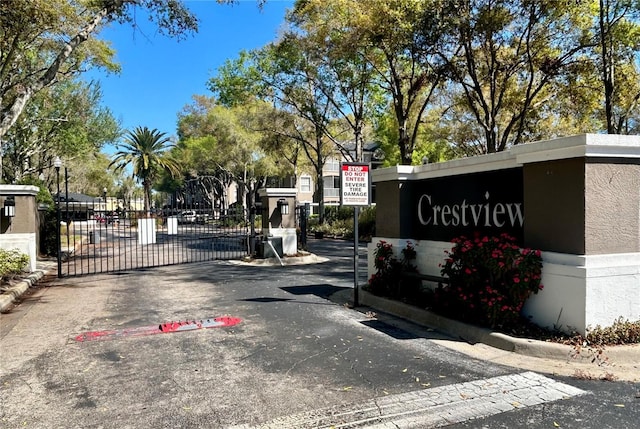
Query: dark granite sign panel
{"points": [[488, 203]]}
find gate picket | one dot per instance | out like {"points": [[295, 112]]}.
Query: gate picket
{"points": [[96, 238]]}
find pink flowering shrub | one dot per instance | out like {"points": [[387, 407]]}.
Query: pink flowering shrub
{"points": [[490, 279], [390, 278]]}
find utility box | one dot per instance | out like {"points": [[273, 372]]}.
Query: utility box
{"points": [[263, 250]]}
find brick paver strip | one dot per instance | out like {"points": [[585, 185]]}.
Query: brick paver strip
{"points": [[435, 407]]}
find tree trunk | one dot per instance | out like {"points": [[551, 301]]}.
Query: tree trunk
{"points": [[359, 143], [607, 66], [13, 111], [320, 195], [147, 197]]}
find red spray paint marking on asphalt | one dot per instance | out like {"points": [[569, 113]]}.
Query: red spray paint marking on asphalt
{"points": [[188, 325]]}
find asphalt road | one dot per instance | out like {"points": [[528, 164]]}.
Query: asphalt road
{"points": [[295, 354]]}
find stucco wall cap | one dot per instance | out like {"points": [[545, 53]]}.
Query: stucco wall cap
{"points": [[398, 172], [278, 192], [475, 164], [19, 190], [579, 146]]}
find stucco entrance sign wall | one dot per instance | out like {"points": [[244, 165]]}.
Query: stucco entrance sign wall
{"points": [[577, 199]]}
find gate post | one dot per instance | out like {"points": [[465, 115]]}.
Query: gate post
{"points": [[19, 221], [304, 212], [57, 164], [252, 233]]}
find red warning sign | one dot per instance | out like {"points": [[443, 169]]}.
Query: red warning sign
{"points": [[355, 180]]}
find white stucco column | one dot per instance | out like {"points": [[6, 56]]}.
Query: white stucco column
{"points": [[19, 232]]}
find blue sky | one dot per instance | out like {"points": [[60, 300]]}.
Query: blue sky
{"points": [[160, 74]]}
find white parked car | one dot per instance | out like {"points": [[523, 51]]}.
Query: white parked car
{"points": [[202, 218], [187, 216]]}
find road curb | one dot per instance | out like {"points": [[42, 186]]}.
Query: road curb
{"points": [[474, 334], [286, 260], [15, 291]]}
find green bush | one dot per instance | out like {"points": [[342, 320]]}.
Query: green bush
{"points": [[334, 229], [49, 233], [12, 263], [393, 278], [593, 344], [257, 222], [621, 332], [43, 196], [235, 215], [490, 279], [337, 213], [367, 222], [340, 223], [47, 244], [313, 221]]}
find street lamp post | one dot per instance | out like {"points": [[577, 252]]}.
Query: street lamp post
{"points": [[57, 163]]}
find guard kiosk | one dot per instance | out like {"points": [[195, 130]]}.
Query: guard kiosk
{"points": [[279, 219]]}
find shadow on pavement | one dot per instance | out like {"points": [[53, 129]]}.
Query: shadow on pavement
{"points": [[266, 299], [392, 331], [323, 291]]}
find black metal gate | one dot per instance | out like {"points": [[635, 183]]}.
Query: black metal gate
{"points": [[100, 235]]}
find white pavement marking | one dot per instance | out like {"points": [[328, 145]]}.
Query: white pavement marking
{"points": [[436, 407]]}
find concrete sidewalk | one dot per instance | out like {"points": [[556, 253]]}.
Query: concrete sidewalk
{"points": [[14, 292], [613, 362]]}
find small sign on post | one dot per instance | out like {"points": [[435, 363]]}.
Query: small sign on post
{"points": [[355, 190]]}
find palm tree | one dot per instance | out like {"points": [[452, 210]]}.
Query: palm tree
{"points": [[146, 151]]}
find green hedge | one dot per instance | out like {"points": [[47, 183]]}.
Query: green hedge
{"points": [[12, 262], [339, 222]]}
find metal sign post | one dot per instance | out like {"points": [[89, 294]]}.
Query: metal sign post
{"points": [[355, 190]]}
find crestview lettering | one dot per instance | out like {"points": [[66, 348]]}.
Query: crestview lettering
{"points": [[488, 203], [487, 214]]}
